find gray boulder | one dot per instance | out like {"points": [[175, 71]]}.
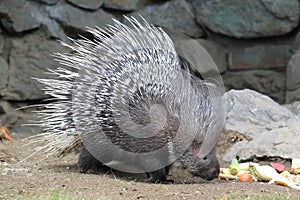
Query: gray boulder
{"points": [[248, 18], [87, 4], [49, 2], [75, 18], [16, 16], [268, 82], [296, 44], [50, 26], [293, 72], [177, 15], [2, 41], [30, 57], [125, 5], [268, 128], [294, 107], [292, 95], [258, 54], [29, 16], [15, 119], [293, 79], [265, 53], [217, 51], [3, 76]]}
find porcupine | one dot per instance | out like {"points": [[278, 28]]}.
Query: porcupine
{"points": [[127, 96]]}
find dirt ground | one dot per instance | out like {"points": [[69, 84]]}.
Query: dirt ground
{"points": [[39, 177]]}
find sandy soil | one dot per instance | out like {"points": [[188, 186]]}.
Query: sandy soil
{"points": [[37, 177]]}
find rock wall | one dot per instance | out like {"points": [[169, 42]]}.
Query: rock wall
{"points": [[255, 43]]}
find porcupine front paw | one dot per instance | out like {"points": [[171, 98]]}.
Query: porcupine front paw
{"points": [[87, 163], [159, 176]]}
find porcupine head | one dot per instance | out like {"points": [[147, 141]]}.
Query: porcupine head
{"points": [[129, 100]]}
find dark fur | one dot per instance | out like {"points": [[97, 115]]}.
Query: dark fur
{"points": [[207, 167]]}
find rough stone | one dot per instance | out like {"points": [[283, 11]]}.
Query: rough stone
{"points": [[176, 15], [296, 44], [269, 129], [294, 107], [271, 83], [198, 58], [248, 18], [292, 95], [52, 29], [38, 12], [217, 51], [2, 41], [49, 2], [50, 26], [143, 3], [72, 17], [293, 78], [29, 57], [3, 76], [87, 4], [5, 107], [125, 5], [257, 54], [293, 72], [16, 16], [16, 119]]}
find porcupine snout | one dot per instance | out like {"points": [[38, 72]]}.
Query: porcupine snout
{"points": [[206, 167]]}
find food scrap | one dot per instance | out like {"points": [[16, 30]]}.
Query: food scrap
{"points": [[279, 167], [234, 167], [245, 178], [273, 173], [4, 133]]}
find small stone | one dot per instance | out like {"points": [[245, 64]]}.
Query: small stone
{"points": [[125, 5], [87, 4], [49, 2]]}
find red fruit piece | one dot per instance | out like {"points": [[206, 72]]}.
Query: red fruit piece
{"points": [[279, 167], [245, 178]]}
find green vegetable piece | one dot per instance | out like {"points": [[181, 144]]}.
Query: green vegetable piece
{"points": [[234, 167]]}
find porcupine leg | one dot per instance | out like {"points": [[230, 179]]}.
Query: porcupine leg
{"points": [[159, 176], [87, 163]]}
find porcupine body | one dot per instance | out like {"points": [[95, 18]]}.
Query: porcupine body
{"points": [[127, 97]]}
